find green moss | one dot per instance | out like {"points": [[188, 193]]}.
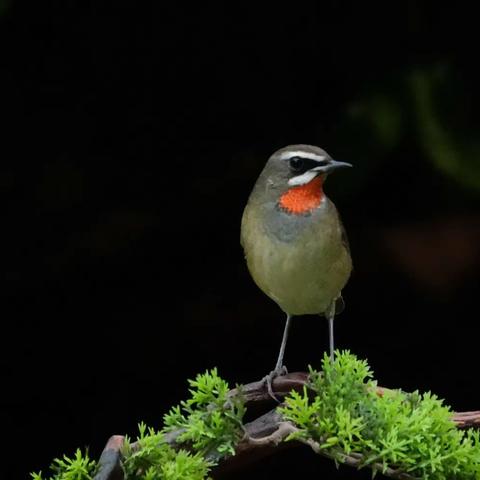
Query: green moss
{"points": [[412, 433], [79, 467], [340, 412], [153, 459], [210, 424], [210, 420]]}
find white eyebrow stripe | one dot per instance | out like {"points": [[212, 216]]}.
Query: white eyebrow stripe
{"points": [[302, 154]]}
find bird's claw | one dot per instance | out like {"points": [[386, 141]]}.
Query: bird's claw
{"points": [[268, 379]]}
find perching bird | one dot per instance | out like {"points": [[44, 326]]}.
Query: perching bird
{"points": [[294, 242]]}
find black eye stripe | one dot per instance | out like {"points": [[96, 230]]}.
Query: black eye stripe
{"points": [[301, 164]]}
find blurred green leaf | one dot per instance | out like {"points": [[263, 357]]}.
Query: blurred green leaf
{"points": [[452, 149]]}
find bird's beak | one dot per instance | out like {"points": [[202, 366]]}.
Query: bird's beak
{"points": [[331, 166]]}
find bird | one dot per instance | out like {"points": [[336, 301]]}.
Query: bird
{"points": [[294, 243]]}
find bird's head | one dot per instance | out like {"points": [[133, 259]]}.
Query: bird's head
{"points": [[295, 176]]}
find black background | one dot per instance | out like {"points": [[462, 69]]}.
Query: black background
{"points": [[133, 137]]}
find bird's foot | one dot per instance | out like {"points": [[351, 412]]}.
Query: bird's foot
{"points": [[268, 379]]}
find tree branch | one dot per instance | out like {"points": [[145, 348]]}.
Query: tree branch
{"points": [[266, 434]]}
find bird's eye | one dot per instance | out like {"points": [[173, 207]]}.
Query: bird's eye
{"points": [[296, 164]]}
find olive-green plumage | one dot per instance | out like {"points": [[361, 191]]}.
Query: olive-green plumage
{"points": [[300, 260], [306, 269]]}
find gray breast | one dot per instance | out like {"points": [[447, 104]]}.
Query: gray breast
{"points": [[286, 227]]}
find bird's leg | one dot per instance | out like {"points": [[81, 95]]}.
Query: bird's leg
{"points": [[279, 366], [330, 315], [280, 369]]}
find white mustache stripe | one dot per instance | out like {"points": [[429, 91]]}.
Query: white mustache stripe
{"points": [[304, 178], [302, 154]]}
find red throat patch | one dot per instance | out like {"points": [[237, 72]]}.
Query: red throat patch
{"points": [[303, 198]]}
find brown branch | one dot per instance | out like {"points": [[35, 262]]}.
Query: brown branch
{"points": [[266, 434], [257, 392], [467, 419], [275, 431], [109, 463]]}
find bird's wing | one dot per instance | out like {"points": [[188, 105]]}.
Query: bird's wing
{"points": [[344, 238], [339, 305]]}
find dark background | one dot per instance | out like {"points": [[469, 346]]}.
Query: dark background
{"points": [[133, 135]]}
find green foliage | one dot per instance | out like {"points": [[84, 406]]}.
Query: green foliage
{"points": [[413, 433], [153, 459], [340, 410], [210, 425], [210, 421], [80, 467]]}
